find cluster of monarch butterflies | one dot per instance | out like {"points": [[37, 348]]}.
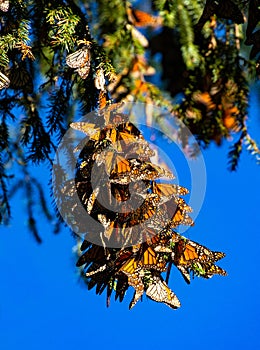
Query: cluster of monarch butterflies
{"points": [[136, 243]]}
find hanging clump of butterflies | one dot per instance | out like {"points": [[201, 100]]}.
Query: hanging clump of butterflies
{"points": [[135, 244]]}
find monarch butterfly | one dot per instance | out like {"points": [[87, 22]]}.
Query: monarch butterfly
{"points": [[229, 119], [175, 205], [85, 244], [140, 67], [90, 152], [111, 113], [205, 270], [136, 281], [80, 57], [143, 213], [139, 170], [98, 275], [176, 215], [115, 232], [139, 149], [102, 99], [150, 259], [111, 132], [80, 60], [124, 127], [94, 269], [159, 242], [139, 232], [109, 225], [205, 99], [151, 171], [100, 80], [146, 258], [95, 253], [122, 140], [93, 129], [186, 250], [4, 5], [129, 139], [159, 291], [121, 286], [134, 274], [20, 78], [113, 162], [91, 200], [167, 190], [188, 255], [120, 192], [208, 270], [87, 128], [83, 71], [83, 186], [224, 9], [180, 202], [141, 19], [4, 81]]}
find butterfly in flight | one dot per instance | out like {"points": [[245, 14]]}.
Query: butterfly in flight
{"points": [[142, 19]]}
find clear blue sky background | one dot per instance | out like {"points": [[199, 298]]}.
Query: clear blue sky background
{"points": [[43, 305]]}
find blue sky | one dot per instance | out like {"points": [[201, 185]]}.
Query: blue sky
{"points": [[43, 305]]}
